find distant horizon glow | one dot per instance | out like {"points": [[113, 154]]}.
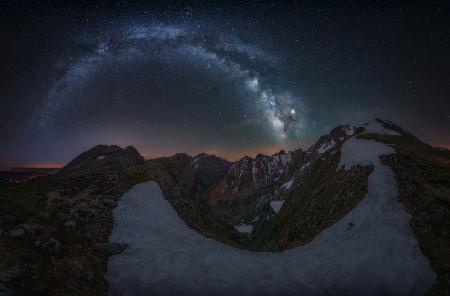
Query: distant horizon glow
{"points": [[229, 157], [153, 155]]}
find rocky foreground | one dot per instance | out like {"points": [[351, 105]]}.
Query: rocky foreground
{"points": [[55, 230]]}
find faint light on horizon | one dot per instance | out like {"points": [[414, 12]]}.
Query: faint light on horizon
{"points": [[34, 166]]}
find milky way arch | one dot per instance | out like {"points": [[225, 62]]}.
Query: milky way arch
{"points": [[174, 44]]}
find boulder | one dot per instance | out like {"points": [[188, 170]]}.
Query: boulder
{"points": [[51, 246], [109, 203], [17, 232]]}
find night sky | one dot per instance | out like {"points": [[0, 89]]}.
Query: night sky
{"points": [[224, 79]]}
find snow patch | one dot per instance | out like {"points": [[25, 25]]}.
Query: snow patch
{"points": [[244, 228], [254, 170], [326, 146], [287, 185], [101, 157], [285, 158], [349, 130], [194, 162], [276, 205], [304, 166], [362, 152]]}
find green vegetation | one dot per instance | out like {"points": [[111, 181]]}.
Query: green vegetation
{"points": [[324, 196]]}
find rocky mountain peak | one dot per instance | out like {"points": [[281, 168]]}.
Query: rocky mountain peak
{"points": [[204, 159], [333, 139], [102, 157], [248, 175], [208, 169]]}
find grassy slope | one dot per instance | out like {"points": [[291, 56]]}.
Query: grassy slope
{"points": [[78, 268], [323, 197]]}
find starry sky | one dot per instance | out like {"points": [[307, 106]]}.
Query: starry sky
{"points": [[227, 79]]}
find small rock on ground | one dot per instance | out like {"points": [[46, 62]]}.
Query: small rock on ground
{"points": [[17, 232]]}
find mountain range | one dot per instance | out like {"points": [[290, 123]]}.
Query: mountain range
{"points": [[64, 234]]}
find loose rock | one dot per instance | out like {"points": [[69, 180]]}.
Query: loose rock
{"points": [[52, 246], [109, 203], [17, 232]]}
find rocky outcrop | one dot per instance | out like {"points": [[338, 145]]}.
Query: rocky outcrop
{"points": [[249, 175], [331, 142], [101, 158], [251, 186]]}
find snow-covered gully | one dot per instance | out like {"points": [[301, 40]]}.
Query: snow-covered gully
{"points": [[371, 251]]}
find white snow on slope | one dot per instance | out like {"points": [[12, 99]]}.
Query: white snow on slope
{"points": [[377, 255], [349, 131], [254, 170], [375, 127], [244, 228], [304, 166], [326, 146], [287, 185], [285, 158], [276, 205], [194, 162], [362, 152]]}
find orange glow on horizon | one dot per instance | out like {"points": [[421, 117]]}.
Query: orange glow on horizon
{"points": [[228, 155], [40, 166]]}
